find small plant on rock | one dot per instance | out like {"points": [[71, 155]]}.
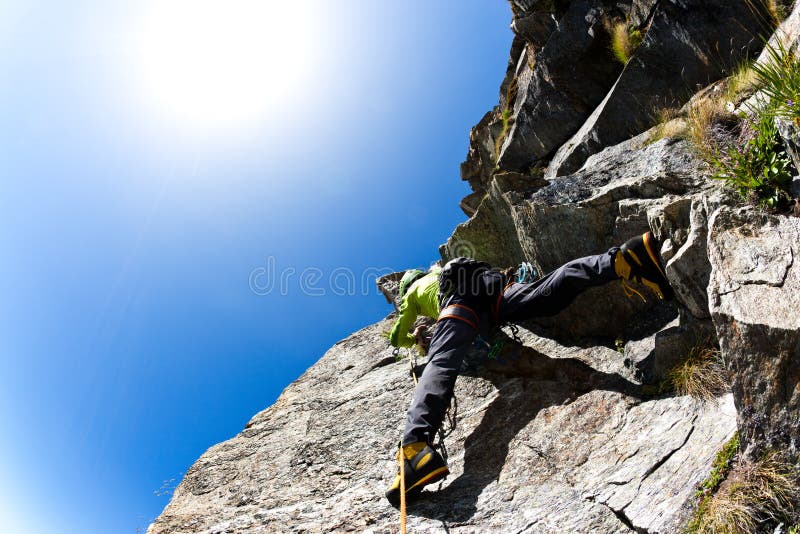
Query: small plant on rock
{"points": [[625, 39], [700, 375], [723, 462], [506, 118], [760, 170], [746, 496]]}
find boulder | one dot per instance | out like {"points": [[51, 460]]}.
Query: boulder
{"points": [[652, 357], [754, 298], [687, 267]]}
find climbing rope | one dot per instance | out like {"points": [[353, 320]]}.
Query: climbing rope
{"points": [[402, 490]]}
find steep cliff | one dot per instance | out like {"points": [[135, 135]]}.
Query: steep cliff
{"points": [[552, 439], [567, 429]]}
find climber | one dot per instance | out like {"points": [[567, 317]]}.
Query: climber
{"points": [[468, 298]]}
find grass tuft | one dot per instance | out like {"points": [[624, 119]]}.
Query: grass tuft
{"points": [[505, 117], [741, 84], [700, 375], [747, 497], [625, 39], [669, 124], [711, 127]]}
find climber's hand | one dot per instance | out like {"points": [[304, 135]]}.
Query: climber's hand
{"points": [[423, 340]]}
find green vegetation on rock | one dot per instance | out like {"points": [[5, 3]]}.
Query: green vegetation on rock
{"points": [[746, 496], [700, 374], [760, 170], [745, 148], [625, 39]]}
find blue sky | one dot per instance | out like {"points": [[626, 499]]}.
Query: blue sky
{"points": [[137, 204]]}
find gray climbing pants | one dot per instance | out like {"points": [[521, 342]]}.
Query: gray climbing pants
{"points": [[458, 326]]}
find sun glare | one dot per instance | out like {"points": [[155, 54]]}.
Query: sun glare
{"points": [[227, 62]]}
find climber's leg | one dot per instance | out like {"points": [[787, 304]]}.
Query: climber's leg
{"points": [[422, 464], [451, 340], [556, 290], [638, 260]]}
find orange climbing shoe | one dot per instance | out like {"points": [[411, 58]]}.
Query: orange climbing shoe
{"points": [[423, 465], [639, 260]]}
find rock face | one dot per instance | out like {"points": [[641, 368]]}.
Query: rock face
{"points": [[754, 298], [618, 194], [561, 432], [688, 45], [549, 438], [566, 97]]}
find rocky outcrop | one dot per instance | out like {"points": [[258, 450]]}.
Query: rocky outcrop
{"points": [[565, 96], [687, 45], [619, 193], [754, 296], [549, 438], [559, 85]]}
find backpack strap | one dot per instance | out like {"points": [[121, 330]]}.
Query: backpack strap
{"points": [[460, 312]]}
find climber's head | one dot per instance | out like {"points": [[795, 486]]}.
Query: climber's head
{"points": [[409, 278]]}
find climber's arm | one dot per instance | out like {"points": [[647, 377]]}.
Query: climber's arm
{"points": [[400, 335]]}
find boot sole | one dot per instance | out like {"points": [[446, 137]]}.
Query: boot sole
{"points": [[434, 476]]}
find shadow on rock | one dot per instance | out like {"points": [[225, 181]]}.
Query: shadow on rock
{"points": [[545, 382]]}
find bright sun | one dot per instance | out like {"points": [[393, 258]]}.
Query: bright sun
{"points": [[217, 62]]}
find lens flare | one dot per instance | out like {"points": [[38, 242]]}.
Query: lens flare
{"points": [[213, 62]]}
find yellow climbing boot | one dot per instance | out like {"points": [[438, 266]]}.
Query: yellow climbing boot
{"points": [[639, 260], [423, 465]]}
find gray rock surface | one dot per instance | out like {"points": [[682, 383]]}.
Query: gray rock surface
{"points": [[688, 44], [560, 68], [754, 297], [560, 85], [549, 438], [688, 270], [619, 193]]}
